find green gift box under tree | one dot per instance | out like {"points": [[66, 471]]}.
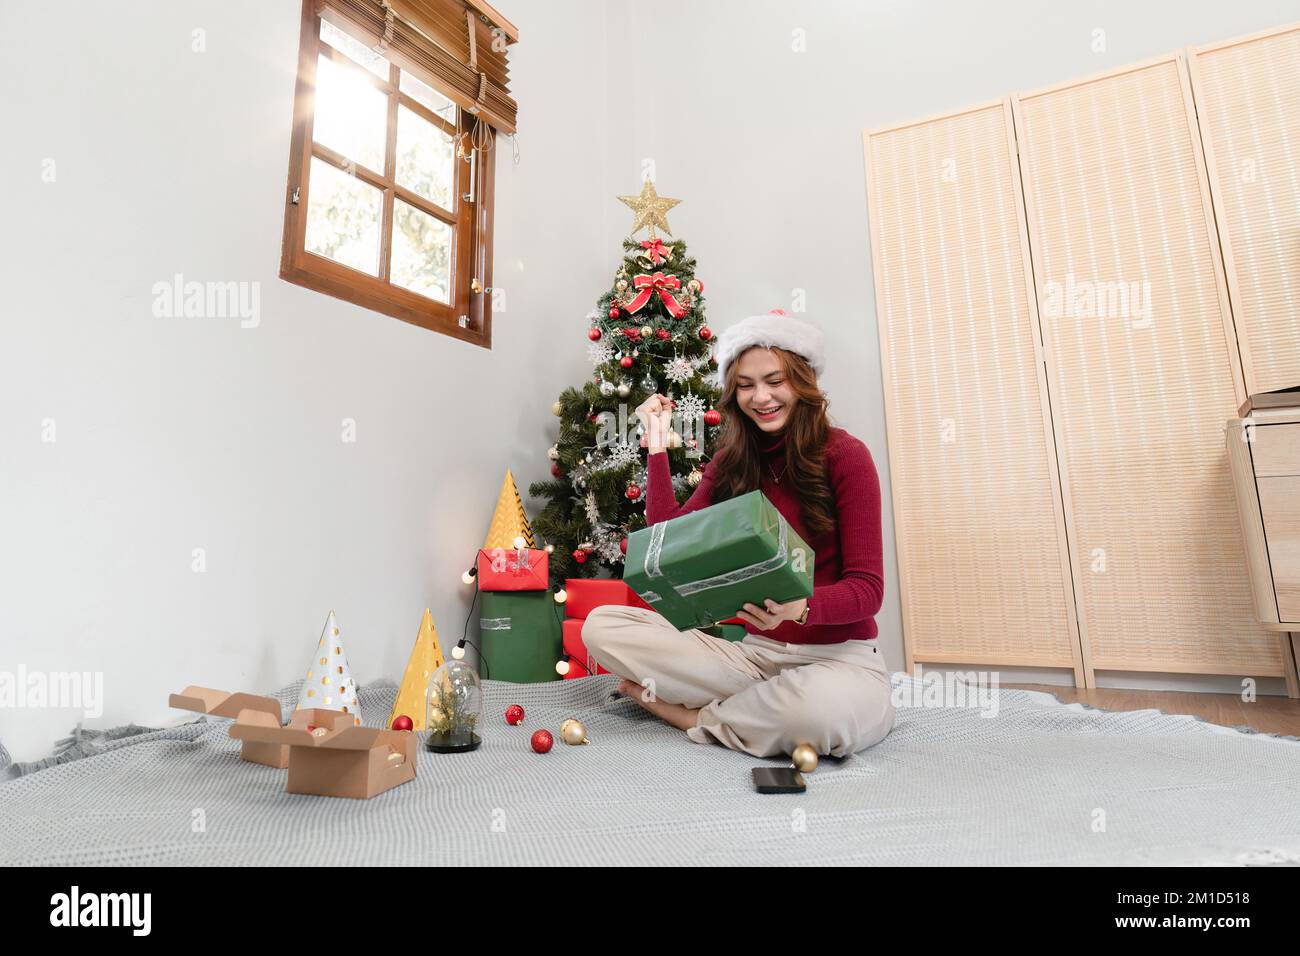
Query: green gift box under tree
{"points": [[703, 567], [521, 635]]}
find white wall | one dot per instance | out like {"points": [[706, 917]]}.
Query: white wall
{"points": [[175, 434]]}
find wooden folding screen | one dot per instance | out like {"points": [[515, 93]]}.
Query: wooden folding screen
{"points": [[982, 557], [1248, 100], [1142, 372], [1058, 364]]}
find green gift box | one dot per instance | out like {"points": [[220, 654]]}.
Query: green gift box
{"points": [[521, 635], [703, 567], [728, 632]]}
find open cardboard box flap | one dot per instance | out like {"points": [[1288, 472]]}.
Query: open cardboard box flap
{"points": [[220, 703]]}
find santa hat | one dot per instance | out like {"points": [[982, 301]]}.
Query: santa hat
{"points": [[773, 330]]}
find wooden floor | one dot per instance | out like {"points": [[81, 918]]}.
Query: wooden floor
{"points": [[1274, 715]]}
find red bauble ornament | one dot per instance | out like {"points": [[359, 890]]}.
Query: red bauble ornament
{"points": [[625, 361], [580, 555], [633, 492], [713, 417], [402, 722], [556, 470], [514, 715], [663, 333], [542, 741], [706, 333], [593, 418], [593, 334], [613, 313], [622, 546]]}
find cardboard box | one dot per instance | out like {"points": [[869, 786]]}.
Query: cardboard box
{"points": [[344, 761], [220, 703]]}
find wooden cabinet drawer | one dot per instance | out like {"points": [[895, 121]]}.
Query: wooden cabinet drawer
{"points": [[1276, 450], [1279, 503]]}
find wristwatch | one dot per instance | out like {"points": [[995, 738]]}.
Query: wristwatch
{"points": [[803, 618]]}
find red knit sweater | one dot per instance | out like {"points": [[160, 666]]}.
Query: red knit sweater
{"points": [[849, 571]]}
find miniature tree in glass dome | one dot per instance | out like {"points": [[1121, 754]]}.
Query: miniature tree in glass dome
{"points": [[455, 707]]}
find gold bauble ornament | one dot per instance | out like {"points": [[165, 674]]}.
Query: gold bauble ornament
{"points": [[647, 331], [694, 478], [557, 409], [573, 732], [693, 285], [804, 758], [620, 285], [651, 209]]}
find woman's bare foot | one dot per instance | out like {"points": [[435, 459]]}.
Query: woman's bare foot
{"points": [[679, 715]]}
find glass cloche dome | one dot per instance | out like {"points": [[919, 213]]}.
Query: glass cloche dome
{"points": [[455, 709]]}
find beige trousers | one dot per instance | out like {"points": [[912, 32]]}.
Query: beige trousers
{"points": [[757, 695]]}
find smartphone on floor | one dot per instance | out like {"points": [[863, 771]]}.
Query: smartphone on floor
{"points": [[778, 780]]}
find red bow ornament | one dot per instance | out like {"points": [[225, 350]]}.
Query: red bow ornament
{"points": [[656, 251], [647, 286]]}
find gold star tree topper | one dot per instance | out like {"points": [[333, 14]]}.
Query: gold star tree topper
{"points": [[651, 209]]}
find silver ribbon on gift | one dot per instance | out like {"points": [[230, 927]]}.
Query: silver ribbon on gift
{"points": [[655, 548]]}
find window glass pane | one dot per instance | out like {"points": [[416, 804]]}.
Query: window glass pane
{"points": [[343, 217], [354, 50], [351, 115], [422, 92], [425, 158], [421, 252]]}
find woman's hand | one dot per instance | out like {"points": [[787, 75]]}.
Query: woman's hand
{"points": [[656, 414], [771, 614]]}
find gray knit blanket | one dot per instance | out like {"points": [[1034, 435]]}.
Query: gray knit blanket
{"points": [[1039, 783]]}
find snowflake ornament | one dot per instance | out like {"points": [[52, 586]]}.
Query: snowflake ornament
{"points": [[599, 352], [679, 370], [607, 546], [620, 455], [691, 407]]}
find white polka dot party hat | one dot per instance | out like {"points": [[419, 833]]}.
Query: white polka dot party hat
{"points": [[328, 683]]}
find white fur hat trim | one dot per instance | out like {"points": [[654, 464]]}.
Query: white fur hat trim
{"points": [[775, 329]]}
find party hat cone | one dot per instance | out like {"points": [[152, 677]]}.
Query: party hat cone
{"points": [[508, 521], [328, 684], [426, 657]]}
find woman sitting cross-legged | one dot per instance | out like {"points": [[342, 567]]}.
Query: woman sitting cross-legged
{"points": [[807, 671]]}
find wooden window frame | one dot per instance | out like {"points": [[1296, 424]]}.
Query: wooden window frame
{"points": [[469, 314]]}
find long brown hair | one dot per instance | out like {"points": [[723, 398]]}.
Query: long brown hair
{"points": [[739, 461]]}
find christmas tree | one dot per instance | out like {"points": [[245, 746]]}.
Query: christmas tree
{"points": [[647, 335]]}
